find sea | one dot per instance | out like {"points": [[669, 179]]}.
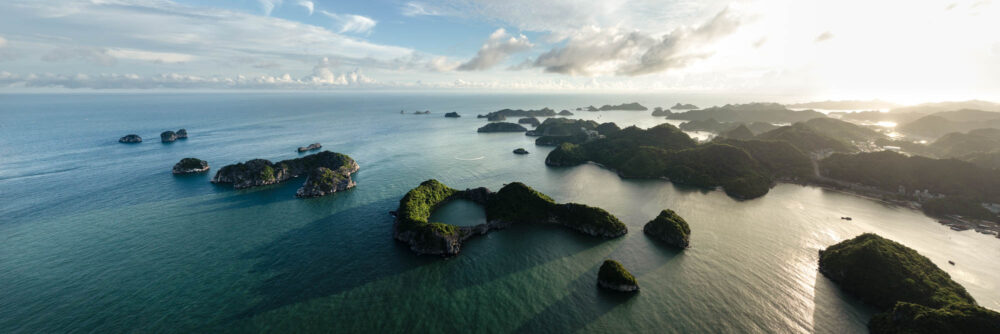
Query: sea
{"points": [[98, 236]]}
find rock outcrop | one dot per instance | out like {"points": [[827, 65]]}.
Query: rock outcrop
{"points": [[452, 114], [529, 120], [520, 151], [182, 134], [514, 203], [130, 139], [168, 136], [502, 127], [669, 228], [323, 181], [685, 106], [565, 112], [260, 172], [614, 276], [311, 147], [190, 166]]}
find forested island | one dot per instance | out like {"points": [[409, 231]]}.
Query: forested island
{"points": [[328, 172], [751, 112], [515, 203], [912, 294]]}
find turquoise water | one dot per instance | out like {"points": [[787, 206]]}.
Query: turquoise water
{"points": [[97, 236]]}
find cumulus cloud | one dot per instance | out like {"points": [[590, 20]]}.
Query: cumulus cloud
{"points": [[497, 48], [351, 23], [442, 64], [308, 5], [825, 36], [614, 51]]}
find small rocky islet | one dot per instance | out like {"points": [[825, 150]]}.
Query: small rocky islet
{"points": [[328, 172], [171, 136], [515, 203], [452, 114], [130, 139], [520, 150], [669, 228], [311, 147], [190, 166], [614, 276], [501, 127]]}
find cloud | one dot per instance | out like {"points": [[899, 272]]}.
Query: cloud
{"points": [[413, 8], [155, 57], [616, 52], [309, 5], [497, 48], [98, 56], [760, 42], [322, 75], [825, 36], [442, 64], [351, 23], [269, 5]]}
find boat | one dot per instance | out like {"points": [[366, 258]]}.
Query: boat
{"points": [[846, 218], [951, 262]]}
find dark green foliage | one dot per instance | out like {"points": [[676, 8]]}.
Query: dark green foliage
{"points": [[566, 155], [517, 202], [807, 139], [608, 128], [912, 318], [779, 158], [191, 163], [562, 127], [964, 207], [882, 272], [614, 273], [502, 127], [624, 106], [669, 227], [741, 132], [504, 113], [888, 170], [685, 106], [708, 125], [587, 218], [416, 206]]}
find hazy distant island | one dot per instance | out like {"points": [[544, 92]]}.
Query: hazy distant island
{"points": [[452, 114], [634, 106], [514, 203], [913, 294], [712, 125], [565, 112], [614, 276], [846, 105], [751, 112], [684, 106], [529, 120], [555, 131], [659, 112], [501, 127], [329, 168], [504, 113], [520, 151], [669, 228], [190, 166]]}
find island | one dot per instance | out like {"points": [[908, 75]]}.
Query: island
{"points": [[168, 136], [501, 127], [130, 139], [515, 203], [520, 151], [684, 106], [741, 132], [613, 276], [912, 294], [565, 112], [529, 120], [495, 118], [260, 172], [452, 114], [190, 166], [659, 112], [504, 113], [555, 131], [425, 112], [311, 147], [744, 169], [634, 106], [751, 112], [669, 228], [182, 134], [712, 125], [323, 181]]}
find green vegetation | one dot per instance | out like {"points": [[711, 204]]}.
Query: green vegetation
{"points": [[516, 202], [889, 170], [912, 318], [807, 139], [741, 132], [665, 151], [191, 163], [670, 228], [964, 207], [624, 106], [751, 112], [613, 273], [916, 295], [416, 206], [502, 127]]}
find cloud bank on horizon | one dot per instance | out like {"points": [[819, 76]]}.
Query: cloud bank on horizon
{"points": [[845, 49]]}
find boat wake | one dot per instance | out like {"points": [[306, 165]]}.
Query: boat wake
{"points": [[470, 159]]}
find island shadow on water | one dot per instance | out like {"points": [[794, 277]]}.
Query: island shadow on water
{"points": [[587, 298]]}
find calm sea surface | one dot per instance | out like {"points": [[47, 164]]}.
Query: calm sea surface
{"points": [[97, 236]]}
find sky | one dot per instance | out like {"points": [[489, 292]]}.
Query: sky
{"points": [[902, 51]]}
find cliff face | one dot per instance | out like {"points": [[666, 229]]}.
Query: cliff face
{"points": [[614, 276], [190, 166], [669, 228], [332, 173]]}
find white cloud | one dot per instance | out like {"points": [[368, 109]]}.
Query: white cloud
{"points": [[98, 56], [351, 23], [156, 57], [497, 48], [269, 5], [442, 64], [414, 8], [3, 42], [309, 5]]}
